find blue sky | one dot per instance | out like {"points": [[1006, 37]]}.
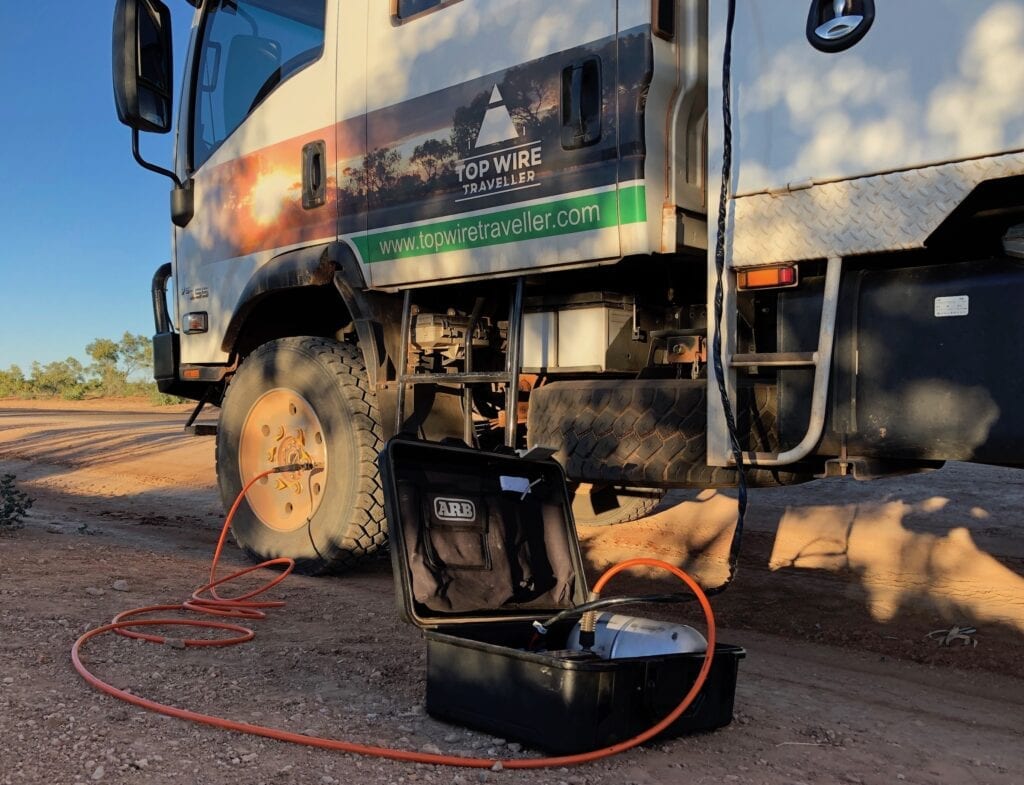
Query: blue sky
{"points": [[83, 226]]}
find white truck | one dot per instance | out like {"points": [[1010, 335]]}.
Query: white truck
{"points": [[496, 220]]}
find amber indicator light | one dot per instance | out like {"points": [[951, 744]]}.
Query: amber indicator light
{"points": [[767, 278]]}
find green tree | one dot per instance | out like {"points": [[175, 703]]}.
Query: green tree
{"points": [[135, 353], [105, 354], [13, 383], [114, 363], [65, 378]]}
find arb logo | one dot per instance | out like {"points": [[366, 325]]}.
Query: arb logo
{"points": [[454, 509]]}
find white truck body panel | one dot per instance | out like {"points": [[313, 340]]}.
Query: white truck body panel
{"points": [[870, 149], [863, 151]]}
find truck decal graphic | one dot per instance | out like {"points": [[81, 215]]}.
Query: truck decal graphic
{"points": [[489, 143], [496, 140], [585, 213], [254, 202]]}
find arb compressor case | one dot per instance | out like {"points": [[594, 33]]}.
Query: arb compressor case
{"points": [[484, 544]]}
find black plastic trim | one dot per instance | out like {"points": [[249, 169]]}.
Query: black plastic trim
{"points": [[129, 88], [398, 19], [841, 44], [166, 354], [183, 203], [314, 175], [663, 19], [161, 315], [313, 266]]}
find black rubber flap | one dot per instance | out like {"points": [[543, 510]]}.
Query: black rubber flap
{"points": [[478, 536]]}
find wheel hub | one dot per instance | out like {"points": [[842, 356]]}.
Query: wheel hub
{"points": [[281, 428]]}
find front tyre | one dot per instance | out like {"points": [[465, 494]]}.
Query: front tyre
{"points": [[303, 400]]}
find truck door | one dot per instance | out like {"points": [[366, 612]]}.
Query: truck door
{"points": [[492, 139], [257, 136]]}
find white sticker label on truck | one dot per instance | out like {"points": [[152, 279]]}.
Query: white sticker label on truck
{"points": [[952, 306]]}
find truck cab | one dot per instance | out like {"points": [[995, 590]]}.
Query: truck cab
{"points": [[499, 222]]}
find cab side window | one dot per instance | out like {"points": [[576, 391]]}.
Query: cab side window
{"points": [[248, 48], [406, 8]]}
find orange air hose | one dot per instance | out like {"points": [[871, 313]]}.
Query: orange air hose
{"points": [[206, 600]]}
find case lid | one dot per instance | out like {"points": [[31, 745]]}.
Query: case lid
{"points": [[478, 536]]}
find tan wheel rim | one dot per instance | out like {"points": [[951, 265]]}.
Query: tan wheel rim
{"points": [[281, 428]]}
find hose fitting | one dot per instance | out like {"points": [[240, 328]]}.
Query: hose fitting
{"points": [[588, 625], [288, 468]]}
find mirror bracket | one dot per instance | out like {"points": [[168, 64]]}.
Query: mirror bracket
{"points": [[150, 166], [182, 195]]}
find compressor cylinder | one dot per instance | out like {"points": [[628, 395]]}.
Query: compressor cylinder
{"points": [[618, 637]]}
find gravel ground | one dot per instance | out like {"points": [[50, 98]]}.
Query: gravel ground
{"points": [[835, 688]]}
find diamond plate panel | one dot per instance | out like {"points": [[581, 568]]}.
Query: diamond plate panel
{"points": [[894, 211]]}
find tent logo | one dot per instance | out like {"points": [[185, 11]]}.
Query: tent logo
{"points": [[497, 125], [513, 166]]}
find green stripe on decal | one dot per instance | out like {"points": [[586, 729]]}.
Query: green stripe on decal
{"points": [[547, 219]]}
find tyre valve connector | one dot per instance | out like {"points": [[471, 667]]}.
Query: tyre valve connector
{"points": [[296, 467]]}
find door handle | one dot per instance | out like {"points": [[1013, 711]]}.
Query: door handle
{"points": [[314, 175], [581, 104]]}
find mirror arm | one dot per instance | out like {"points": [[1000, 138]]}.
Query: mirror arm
{"points": [[147, 165]]}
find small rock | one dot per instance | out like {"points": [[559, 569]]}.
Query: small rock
{"points": [[515, 746], [854, 779], [249, 757], [431, 749], [98, 772], [8, 680], [901, 777], [497, 766], [451, 738], [577, 780], [120, 585], [405, 729], [92, 591], [142, 763], [175, 643]]}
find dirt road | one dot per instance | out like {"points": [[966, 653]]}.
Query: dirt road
{"points": [[838, 586]]}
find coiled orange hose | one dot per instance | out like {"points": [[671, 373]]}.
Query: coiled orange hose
{"points": [[205, 600]]}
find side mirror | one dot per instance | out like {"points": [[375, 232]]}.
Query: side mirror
{"points": [[143, 65]]}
